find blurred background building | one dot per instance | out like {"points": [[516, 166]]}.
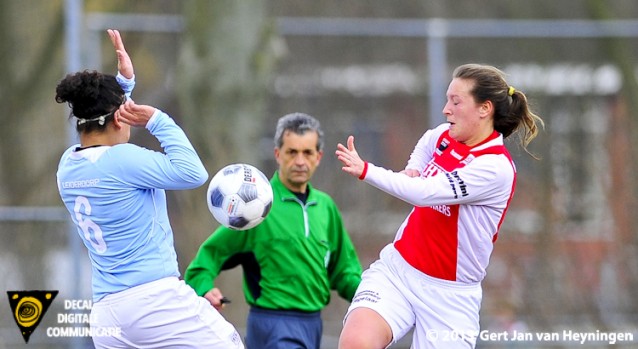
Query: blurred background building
{"points": [[566, 257]]}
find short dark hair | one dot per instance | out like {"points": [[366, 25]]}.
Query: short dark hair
{"points": [[298, 123]]}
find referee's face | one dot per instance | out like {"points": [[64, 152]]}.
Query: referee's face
{"points": [[298, 159]]}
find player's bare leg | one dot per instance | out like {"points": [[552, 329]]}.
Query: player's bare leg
{"points": [[365, 329]]}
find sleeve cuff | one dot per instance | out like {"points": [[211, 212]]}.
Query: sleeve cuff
{"points": [[151, 121], [127, 84], [365, 170], [122, 78]]}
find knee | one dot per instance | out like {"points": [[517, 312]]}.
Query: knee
{"points": [[365, 329]]}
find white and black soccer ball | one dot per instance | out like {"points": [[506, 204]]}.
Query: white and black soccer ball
{"points": [[239, 196]]}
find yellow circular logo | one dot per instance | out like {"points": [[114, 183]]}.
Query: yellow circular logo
{"points": [[28, 310]]}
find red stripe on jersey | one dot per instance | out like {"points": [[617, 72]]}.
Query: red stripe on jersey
{"points": [[500, 149], [506, 153]]}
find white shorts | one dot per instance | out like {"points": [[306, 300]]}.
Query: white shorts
{"points": [[165, 313], [444, 314]]}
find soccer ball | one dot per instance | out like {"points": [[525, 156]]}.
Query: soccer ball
{"points": [[239, 196]]}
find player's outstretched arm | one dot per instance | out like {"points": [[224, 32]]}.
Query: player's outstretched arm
{"points": [[124, 63], [352, 162]]}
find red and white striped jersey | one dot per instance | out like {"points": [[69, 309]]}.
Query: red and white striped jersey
{"points": [[459, 201]]}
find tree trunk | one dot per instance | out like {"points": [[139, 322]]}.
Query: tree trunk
{"points": [[224, 68]]}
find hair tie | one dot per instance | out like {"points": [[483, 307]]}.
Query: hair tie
{"points": [[510, 91], [100, 120]]}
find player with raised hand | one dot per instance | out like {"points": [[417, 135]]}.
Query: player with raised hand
{"points": [[115, 193], [460, 179], [124, 64]]}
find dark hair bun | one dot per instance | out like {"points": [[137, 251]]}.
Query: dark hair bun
{"points": [[89, 93]]}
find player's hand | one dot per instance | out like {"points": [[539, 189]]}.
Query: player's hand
{"points": [[124, 64], [216, 299], [352, 162], [136, 115], [411, 172]]}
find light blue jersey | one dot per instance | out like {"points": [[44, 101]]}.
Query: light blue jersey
{"points": [[116, 198]]}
